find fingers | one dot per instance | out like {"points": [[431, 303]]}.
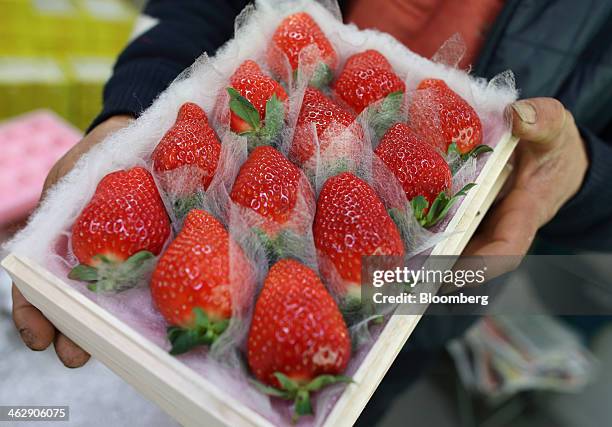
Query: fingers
{"points": [[97, 135], [71, 355], [506, 233], [35, 330], [38, 333], [538, 119]]}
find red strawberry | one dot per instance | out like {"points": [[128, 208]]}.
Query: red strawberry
{"points": [[421, 170], [366, 78], [316, 109], [443, 118], [294, 33], [256, 102], [191, 284], [123, 225], [298, 341], [351, 222], [190, 141], [270, 185]]}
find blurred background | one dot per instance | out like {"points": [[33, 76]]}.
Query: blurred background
{"points": [[55, 56]]}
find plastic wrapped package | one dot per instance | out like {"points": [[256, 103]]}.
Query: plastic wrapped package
{"points": [[257, 239]]}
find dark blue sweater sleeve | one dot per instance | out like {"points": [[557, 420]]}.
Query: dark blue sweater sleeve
{"points": [[185, 30], [585, 222]]}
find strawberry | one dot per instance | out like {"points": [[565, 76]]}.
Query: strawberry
{"points": [[417, 165], [186, 158], [190, 141], [443, 118], [366, 78], [293, 34], [298, 341], [319, 110], [269, 184], [274, 188], [421, 170], [256, 102], [123, 225], [191, 284], [351, 222]]}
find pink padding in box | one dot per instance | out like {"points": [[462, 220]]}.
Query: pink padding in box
{"points": [[30, 145]]}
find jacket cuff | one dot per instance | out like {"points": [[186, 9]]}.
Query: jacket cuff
{"points": [[585, 221], [134, 86]]}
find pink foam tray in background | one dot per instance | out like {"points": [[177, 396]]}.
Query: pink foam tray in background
{"points": [[29, 145]]}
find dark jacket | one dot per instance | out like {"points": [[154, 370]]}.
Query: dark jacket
{"points": [[556, 48]]}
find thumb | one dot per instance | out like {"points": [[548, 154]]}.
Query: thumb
{"points": [[538, 120]]}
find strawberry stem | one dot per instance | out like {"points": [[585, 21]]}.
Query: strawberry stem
{"points": [[300, 393], [385, 113], [321, 76], [429, 216], [183, 205], [112, 276], [457, 159], [273, 121], [203, 332], [275, 116]]}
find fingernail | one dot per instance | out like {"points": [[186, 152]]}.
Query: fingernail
{"points": [[525, 111]]}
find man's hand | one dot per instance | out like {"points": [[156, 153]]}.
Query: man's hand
{"points": [[35, 330], [550, 163]]}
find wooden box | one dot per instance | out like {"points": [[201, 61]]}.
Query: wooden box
{"points": [[188, 397]]}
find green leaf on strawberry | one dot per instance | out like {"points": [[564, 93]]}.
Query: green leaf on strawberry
{"points": [[275, 115], [260, 134], [244, 109], [429, 216], [453, 151], [300, 393], [321, 76], [183, 205], [474, 152], [204, 331], [109, 275], [386, 113]]}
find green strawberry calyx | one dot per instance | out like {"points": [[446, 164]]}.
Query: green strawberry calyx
{"points": [[259, 133], [109, 275], [427, 215], [321, 76], [204, 331], [474, 152], [279, 245], [385, 113], [300, 393], [183, 205], [273, 245]]}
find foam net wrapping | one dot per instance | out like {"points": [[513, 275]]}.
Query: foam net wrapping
{"points": [[46, 238]]}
